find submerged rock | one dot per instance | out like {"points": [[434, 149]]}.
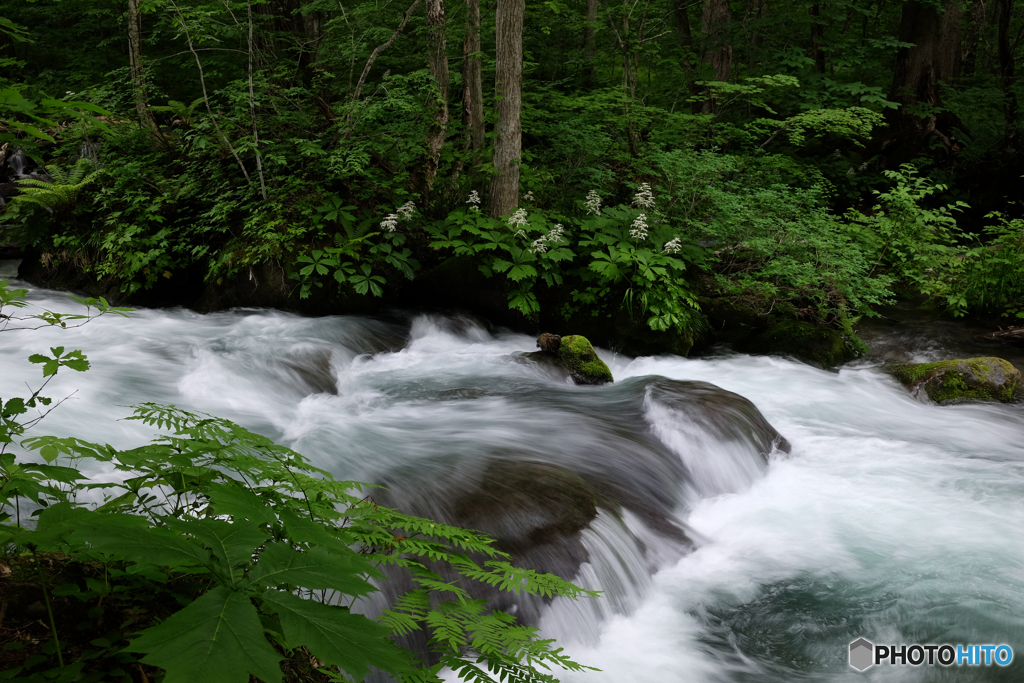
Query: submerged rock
{"points": [[821, 346], [948, 381], [573, 355]]}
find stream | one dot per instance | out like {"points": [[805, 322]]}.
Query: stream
{"points": [[729, 559]]}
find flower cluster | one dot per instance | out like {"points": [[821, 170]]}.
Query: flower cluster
{"points": [[517, 220], [673, 246], [540, 245], [405, 211], [474, 201], [644, 198], [528, 197], [593, 203], [639, 228]]}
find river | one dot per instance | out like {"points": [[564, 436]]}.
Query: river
{"points": [[889, 518]]}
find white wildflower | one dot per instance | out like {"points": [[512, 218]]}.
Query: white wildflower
{"points": [[540, 245], [390, 223], [405, 211], [593, 203], [517, 219], [639, 227], [474, 198], [673, 246], [528, 197], [644, 198]]}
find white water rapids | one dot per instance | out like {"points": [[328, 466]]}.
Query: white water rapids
{"points": [[890, 519]]}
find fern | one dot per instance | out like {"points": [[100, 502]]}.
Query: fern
{"points": [[61, 194], [185, 114]]}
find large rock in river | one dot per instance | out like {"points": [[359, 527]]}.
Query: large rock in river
{"points": [[948, 381]]}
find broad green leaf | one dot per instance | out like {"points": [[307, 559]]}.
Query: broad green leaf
{"points": [[316, 568], [335, 635], [216, 639], [231, 544], [241, 503], [132, 538]]}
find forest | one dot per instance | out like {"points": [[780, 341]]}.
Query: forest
{"points": [[659, 176]]}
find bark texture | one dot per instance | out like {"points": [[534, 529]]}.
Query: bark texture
{"points": [[509, 84], [472, 83], [146, 119], [437, 62], [715, 21], [590, 43], [934, 58]]}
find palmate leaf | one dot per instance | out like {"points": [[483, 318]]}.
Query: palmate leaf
{"points": [[240, 503], [131, 538], [216, 639], [317, 568], [231, 544], [336, 636]]}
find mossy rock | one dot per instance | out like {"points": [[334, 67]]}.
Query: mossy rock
{"points": [[822, 346], [954, 381], [578, 356]]}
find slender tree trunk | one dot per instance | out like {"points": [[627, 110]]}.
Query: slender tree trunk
{"points": [[715, 22], [590, 43], [472, 81], [509, 84], [146, 119], [1006, 76], [817, 38], [252, 109], [437, 62], [972, 39]]}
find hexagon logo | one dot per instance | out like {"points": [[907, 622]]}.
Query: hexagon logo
{"points": [[862, 654]]}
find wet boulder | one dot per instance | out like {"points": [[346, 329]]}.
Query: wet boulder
{"points": [[815, 344], [955, 381], [574, 356]]}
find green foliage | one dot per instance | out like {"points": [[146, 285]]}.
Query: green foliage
{"points": [[184, 114], [61, 193]]}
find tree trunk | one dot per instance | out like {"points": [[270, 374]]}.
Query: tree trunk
{"points": [[437, 62], [1006, 77], [948, 58], [817, 38], [589, 43], [972, 40], [146, 119], [933, 58], [715, 22], [473, 91], [509, 84]]}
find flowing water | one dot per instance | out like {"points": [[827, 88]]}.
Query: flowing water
{"points": [[888, 518]]}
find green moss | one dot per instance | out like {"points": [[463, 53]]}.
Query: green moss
{"points": [[822, 346], [979, 379], [579, 358]]}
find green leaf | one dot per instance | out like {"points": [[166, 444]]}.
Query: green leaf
{"points": [[216, 639], [241, 503], [316, 568], [335, 635], [231, 544], [132, 538]]}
